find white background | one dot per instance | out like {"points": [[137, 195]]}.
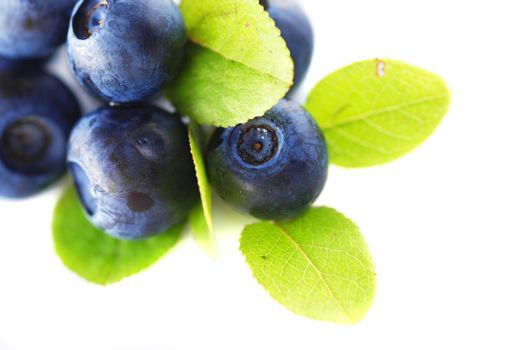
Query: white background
{"points": [[444, 223]]}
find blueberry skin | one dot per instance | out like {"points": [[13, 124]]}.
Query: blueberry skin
{"points": [[133, 170], [16, 67], [37, 113], [33, 28], [297, 32], [125, 50], [273, 167]]}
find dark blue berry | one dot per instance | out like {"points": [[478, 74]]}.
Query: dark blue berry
{"points": [[33, 28], [37, 114], [17, 67], [273, 167], [297, 32], [132, 170], [126, 50]]}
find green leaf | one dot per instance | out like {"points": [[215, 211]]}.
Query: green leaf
{"points": [[200, 218], [237, 66], [375, 111], [317, 265], [94, 255], [202, 233]]}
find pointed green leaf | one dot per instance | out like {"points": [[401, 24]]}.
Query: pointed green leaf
{"points": [[317, 265], [200, 218], [237, 66], [375, 111], [95, 256]]}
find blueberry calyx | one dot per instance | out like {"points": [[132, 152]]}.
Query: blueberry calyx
{"points": [[257, 144], [90, 18], [25, 141]]}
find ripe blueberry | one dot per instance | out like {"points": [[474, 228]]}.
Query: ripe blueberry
{"points": [[132, 170], [297, 32], [273, 167], [36, 117], [16, 67], [33, 28], [125, 50]]}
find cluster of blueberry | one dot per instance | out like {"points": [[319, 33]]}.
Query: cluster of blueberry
{"points": [[130, 161]]}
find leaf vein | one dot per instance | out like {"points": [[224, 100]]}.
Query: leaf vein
{"points": [[373, 113], [351, 138], [315, 268], [230, 59]]}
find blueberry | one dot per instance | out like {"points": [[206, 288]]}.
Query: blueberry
{"points": [[273, 167], [297, 32], [132, 170], [125, 50], [17, 67], [33, 28], [37, 114]]}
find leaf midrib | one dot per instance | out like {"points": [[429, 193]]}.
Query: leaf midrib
{"points": [[256, 69], [192, 38], [316, 269], [373, 113]]}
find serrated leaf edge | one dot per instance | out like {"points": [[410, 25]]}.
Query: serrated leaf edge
{"points": [[199, 180], [289, 59], [107, 280], [351, 319]]}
